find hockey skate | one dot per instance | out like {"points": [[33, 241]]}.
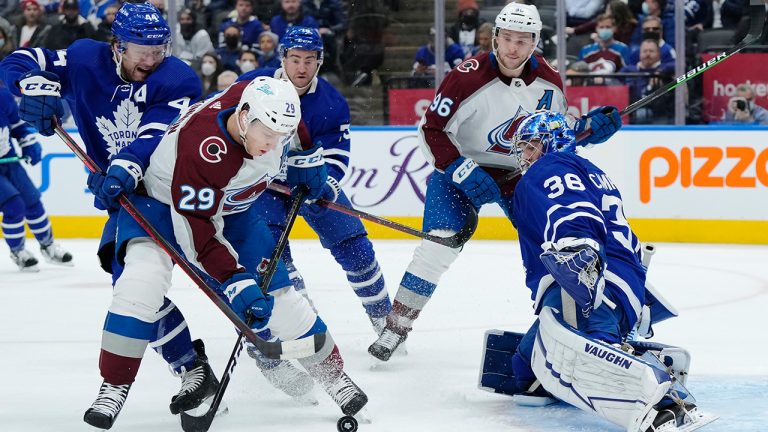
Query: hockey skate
{"points": [[107, 406], [386, 344], [286, 377], [379, 324], [347, 395], [197, 384], [55, 254], [25, 260], [683, 417]]}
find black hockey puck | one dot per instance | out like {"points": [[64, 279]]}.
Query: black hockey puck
{"points": [[346, 424]]}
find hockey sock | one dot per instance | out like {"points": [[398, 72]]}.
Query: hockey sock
{"points": [[39, 224], [328, 369], [172, 339], [357, 258], [123, 343], [13, 223]]}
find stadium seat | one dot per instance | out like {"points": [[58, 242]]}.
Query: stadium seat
{"points": [[714, 39]]}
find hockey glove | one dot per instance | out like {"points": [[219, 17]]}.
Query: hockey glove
{"points": [[474, 181], [40, 100], [577, 266], [31, 149], [95, 182], [245, 298], [603, 121], [307, 168], [123, 176], [329, 193]]}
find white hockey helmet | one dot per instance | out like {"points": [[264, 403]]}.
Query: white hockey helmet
{"points": [[273, 102], [519, 17]]}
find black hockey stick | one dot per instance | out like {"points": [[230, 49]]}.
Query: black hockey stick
{"points": [[757, 21], [190, 423], [13, 159], [455, 241], [273, 350]]}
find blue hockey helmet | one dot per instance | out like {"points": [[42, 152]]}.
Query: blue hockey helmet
{"points": [[549, 129], [303, 38], [142, 24]]}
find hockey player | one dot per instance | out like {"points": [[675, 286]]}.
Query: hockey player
{"points": [[210, 168], [19, 198], [324, 122], [465, 135], [123, 96], [583, 266]]}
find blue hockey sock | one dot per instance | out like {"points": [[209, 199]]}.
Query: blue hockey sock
{"points": [[357, 258], [39, 224], [171, 338], [13, 223]]}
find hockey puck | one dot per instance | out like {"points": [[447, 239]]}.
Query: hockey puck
{"points": [[346, 424]]}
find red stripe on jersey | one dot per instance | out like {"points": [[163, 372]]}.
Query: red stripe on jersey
{"points": [[305, 137]]}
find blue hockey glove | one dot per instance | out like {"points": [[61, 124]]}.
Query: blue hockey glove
{"points": [[245, 298], [329, 193], [577, 266], [603, 121], [40, 100], [476, 184], [307, 168], [95, 182], [31, 149], [123, 176]]}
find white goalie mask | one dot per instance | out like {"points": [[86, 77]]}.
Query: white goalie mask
{"points": [[273, 102]]}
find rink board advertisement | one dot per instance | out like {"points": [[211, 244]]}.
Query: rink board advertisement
{"points": [[678, 184]]}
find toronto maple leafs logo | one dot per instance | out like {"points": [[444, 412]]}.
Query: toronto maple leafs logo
{"points": [[500, 137], [121, 132]]}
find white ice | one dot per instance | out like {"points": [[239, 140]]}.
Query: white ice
{"points": [[50, 324]]}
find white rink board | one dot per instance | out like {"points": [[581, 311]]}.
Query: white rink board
{"points": [[727, 178]]}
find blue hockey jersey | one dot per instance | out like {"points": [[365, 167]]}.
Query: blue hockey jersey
{"points": [[10, 124], [111, 115], [324, 118], [564, 195]]}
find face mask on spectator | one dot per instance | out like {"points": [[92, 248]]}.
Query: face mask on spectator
{"points": [[469, 19], [645, 8], [231, 41], [208, 69], [247, 66], [2, 43], [651, 35], [605, 34], [187, 30]]}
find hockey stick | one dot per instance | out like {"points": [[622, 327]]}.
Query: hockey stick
{"points": [[190, 423], [757, 17], [13, 159], [272, 350], [455, 241]]}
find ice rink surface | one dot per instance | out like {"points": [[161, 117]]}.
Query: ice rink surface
{"points": [[50, 324]]}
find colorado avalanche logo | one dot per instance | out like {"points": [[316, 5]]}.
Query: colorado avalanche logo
{"points": [[238, 200], [212, 148], [469, 65], [121, 132], [500, 137]]}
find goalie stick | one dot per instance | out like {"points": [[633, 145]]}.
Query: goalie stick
{"points": [[272, 350], [455, 241], [190, 423]]}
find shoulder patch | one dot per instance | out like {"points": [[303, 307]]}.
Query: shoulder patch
{"points": [[468, 65], [212, 149]]}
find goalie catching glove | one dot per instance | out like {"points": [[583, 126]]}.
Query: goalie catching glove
{"points": [[577, 264]]}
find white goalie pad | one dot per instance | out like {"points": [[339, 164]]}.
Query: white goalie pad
{"points": [[594, 376]]}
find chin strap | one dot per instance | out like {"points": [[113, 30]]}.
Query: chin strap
{"points": [[117, 56]]}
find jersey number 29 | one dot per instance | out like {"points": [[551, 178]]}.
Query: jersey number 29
{"points": [[193, 199]]}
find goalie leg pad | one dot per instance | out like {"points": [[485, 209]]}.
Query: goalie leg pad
{"points": [[676, 360], [496, 372], [594, 376]]}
